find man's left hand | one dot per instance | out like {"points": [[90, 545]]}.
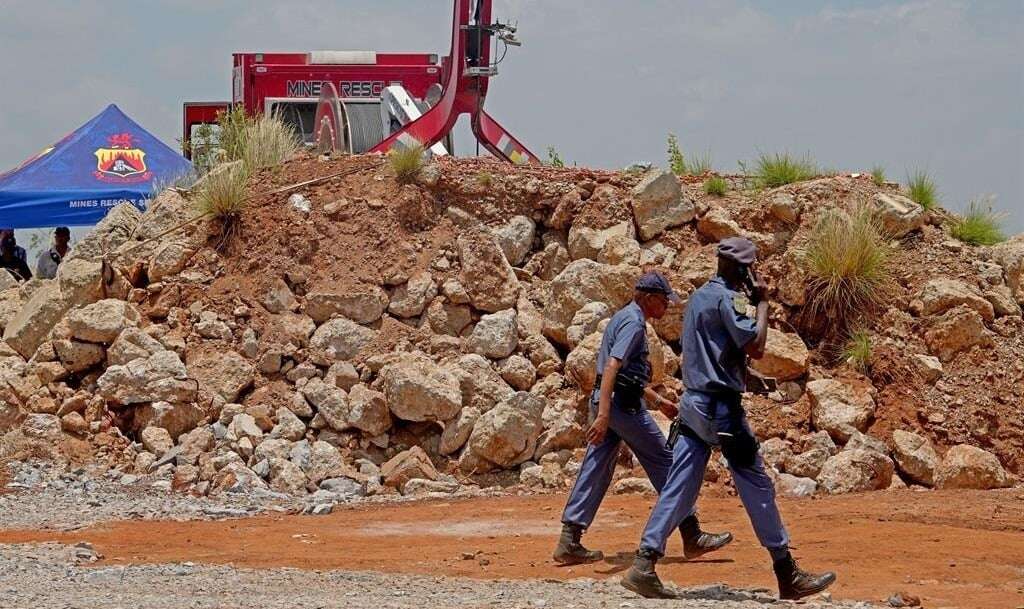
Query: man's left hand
{"points": [[668, 409]]}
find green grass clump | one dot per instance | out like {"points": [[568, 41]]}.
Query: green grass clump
{"points": [[257, 141], [878, 175], [847, 259], [857, 351], [716, 185], [554, 160], [921, 189], [407, 162], [774, 170], [222, 193], [979, 226], [698, 165]]}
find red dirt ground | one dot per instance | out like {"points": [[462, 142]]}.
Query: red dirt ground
{"points": [[951, 548]]}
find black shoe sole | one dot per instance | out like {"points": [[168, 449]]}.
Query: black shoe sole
{"points": [[699, 553], [575, 560], [816, 590]]}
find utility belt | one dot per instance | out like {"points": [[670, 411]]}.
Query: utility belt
{"points": [[736, 439], [628, 391]]}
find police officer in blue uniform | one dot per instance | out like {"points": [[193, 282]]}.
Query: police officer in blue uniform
{"points": [[717, 339], [618, 415]]}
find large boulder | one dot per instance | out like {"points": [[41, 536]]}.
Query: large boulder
{"points": [[518, 372], [789, 485], [581, 282], [362, 304], [10, 303], [29, 327], [785, 356], [496, 335], [839, 407], [585, 321], [581, 363], [102, 321], [341, 339], [80, 281], [368, 410], [225, 373], [78, 356], [330, 401], [161, 377], [115, 229], [659, 204], [807, 464], [456, 432], [956, 330], [406, 465], [898, 214], [412, 297], [177, 418], [132, 343], [486, 273], [563, 429], [966, 466], [515, 238], [915, 456], [856, 470], [717, 224], [448, 318], [417, 389], [1010, 256], [942, 294], [588, 242], [481, 385], [506, 435]]}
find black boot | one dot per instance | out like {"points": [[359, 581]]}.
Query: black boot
{"points": [[796, 583], [570, 551], [642, 579], [698, 543]]}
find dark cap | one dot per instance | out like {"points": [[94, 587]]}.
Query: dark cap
{"points": [[737, 249], [62, 230], [8, 242], [655, 283]]}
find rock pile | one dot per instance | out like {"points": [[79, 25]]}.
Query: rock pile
{"points": [[356, 350]]}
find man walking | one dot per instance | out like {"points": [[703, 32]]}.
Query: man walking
{"points": [[717, 339], [618, 413], [50, 259]]}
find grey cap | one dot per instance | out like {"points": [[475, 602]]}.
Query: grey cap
{"points": [[737, 249], [655, 283]]}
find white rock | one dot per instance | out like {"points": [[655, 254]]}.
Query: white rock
{"points": [[840, 408], [785, 356], [160, 377], [516, 238], [341, 339], [506, 435], [368, 410], [412, 297], [289, 426], [102, 321], [858, 470], [518, 372], [966, 466], [915, 456], [658, 204], [486, 274], [495, 335], [942, 294], [417, 389], [456, 431], [794, 486]]}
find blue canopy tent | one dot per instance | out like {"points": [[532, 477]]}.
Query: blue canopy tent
{"points": [[107, 161]]}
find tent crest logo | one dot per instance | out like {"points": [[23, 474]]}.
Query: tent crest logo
{"points": [[121, 161]]}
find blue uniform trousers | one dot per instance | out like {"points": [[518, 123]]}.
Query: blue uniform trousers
{"points": [[677, 499], [641, 434]]}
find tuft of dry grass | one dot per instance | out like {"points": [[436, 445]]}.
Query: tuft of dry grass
{"points": [[847, 260], [979, 225], [716, 185], [407, 162], [222, 193], [921, 190]]}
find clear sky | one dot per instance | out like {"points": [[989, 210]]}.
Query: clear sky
{"points": [[926, 84]]}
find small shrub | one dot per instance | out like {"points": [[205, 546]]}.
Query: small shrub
{"points": [[857, 351], [699, 164], [878, 175], [716, 185], [979, 226], [775, 170], [847, 261], [222, 193], [269, 141], [485, 179], [921, 189], [407, 162], [554, 159], [676, 161]]}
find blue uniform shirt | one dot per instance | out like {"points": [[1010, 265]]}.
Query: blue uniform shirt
{"points": [[715, 331], [625, 339]]}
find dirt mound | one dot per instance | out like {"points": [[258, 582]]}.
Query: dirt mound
{"points": [[335, 343]]}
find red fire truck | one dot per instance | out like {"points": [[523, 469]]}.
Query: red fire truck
{"points": [[360, 101]]}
